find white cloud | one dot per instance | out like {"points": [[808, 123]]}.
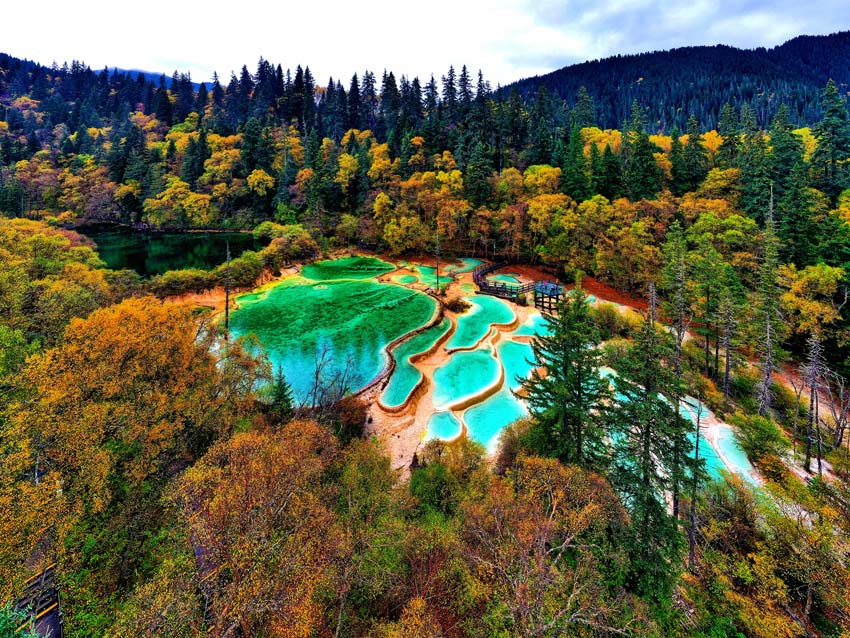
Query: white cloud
{"points": [[507, 39]]}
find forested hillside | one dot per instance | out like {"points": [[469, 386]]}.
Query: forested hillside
{"points": [[700, 80], [166, 470]]}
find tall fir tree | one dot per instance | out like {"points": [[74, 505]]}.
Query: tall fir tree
{"points": [[569, 401], [575, 178], [831, 158], [648, 432], [767, 318]]}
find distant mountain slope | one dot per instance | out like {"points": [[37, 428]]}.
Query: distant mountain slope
{"points": [[699, 80]]}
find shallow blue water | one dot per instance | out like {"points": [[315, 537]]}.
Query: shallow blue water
{"points": [[485, 421], [515, 358], [466, 373], [534, 326], [405, 377], [443, 425], [474, 324]]}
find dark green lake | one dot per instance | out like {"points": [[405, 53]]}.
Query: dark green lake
{"points": [[155, 253]]}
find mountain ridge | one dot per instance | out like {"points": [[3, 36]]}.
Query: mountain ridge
{"points": [[698, 80]]}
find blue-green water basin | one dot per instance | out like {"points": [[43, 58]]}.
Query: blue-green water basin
{"points": [[507, 278], [534, 326], [405, 377], [350, 321], [443, 426], [516, 359], [485, 421], [346, 268], [474, 324], [465, 374]]}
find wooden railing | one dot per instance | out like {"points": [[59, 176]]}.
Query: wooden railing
{"points": [[546, 293], [40, 601]]}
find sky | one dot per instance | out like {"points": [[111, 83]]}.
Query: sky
{"points": [[507, 39]]}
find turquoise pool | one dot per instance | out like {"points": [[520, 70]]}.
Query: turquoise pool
{"points": [[534, 326], [506, 278], [474, 324], [485, 421], [465, 374], [444, 426], [346, 268], [515, 358], [405, 377], [351, 321]]}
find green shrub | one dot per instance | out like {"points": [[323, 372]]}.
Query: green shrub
{"points": [[607, 319], [433, 486], [179, 282], [742, 388], [758, 436]]}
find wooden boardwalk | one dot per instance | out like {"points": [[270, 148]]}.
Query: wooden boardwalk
{"points": [[40, 601], [546, 294]]}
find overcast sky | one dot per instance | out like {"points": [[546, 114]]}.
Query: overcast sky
{"points": [[507, 39]]}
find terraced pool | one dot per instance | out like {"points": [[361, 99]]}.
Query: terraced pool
{"points": [[347, 268], [351, 320], [475, 323], [466, 374], [406, 377], [444, 426]]}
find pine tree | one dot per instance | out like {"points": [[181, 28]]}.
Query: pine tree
{"points": [[730, 129], [674, 279], [799, 232], [597, 175], [678, 170], [767, 320], [568, 402], [833, 135], [755, 166], [478, 176], [786, 152], [354, 104], [282, 403], [695, 157], [648, 434], [575, 180], [611, 185], [584, 113], [643, 178]]}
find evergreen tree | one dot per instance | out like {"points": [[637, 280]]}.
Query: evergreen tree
{"points": [[354, 104], [767, 318], [584, 113], [611, 184], [568, 402], [786, 152], [597, 175], [478, 176], [695, 158], [648, 432], [831, 158], [678, 170], [799, 232], [282, 404], [643, 178], [257, 146], [755, 166], [575, 180], [674, 278]]}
